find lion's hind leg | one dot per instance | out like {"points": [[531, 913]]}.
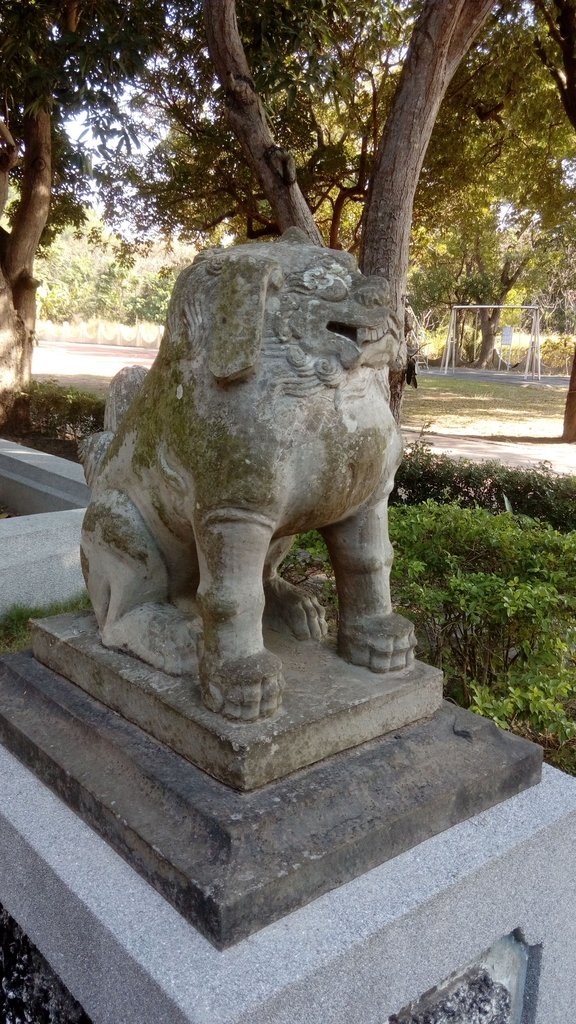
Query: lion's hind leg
{"points": [[289, 608], [128, 584]]}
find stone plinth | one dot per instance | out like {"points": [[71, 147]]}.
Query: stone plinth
{"points": [[233, 862], [328, 706]]}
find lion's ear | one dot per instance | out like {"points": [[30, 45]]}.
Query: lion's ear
{"points": [[238, 317]]}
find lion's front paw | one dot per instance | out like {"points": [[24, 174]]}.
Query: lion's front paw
{"points": [[382, 643], [243, 688], [291, 607]]}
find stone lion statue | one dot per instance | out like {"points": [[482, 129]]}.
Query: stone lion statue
{"points": [[265, 414]]}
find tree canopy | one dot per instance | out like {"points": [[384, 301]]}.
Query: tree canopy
{"points": [[315, 112], [59, 60], [326, 72]]}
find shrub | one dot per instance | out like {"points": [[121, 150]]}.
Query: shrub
{"points": [[494, 601], [56, 411], [537, 493]]}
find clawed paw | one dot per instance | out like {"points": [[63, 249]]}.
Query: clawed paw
{"points": [[244, 689], [383, 643], [295, 609]]}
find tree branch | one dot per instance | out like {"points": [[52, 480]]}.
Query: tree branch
{"points": [[7, 135], [273, 166], [441, 37]]}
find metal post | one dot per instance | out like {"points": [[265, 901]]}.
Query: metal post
{"points": [[449, 347]]}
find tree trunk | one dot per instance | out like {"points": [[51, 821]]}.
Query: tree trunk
{"points": [[489, 324], [17, 251], [561, 22], [441, 37], [569, 431], [273, 166], [12, 344]]}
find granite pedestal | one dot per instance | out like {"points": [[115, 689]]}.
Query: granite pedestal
{"points": [[356, 955]]}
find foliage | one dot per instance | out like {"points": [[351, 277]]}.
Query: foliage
{"points": [[538, 493], [493, 217], [55, 411], [326, 70], [89, 273], [494, 598], [14, 623], [74, 60]]}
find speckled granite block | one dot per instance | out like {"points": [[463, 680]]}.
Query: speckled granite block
{"points": [[354, 956]]}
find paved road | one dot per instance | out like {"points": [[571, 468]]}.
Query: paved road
{"points": [[85, 365], [93, 366]]}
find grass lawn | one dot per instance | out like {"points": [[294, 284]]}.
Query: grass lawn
{"points": [[14, 624], [456, 406]]}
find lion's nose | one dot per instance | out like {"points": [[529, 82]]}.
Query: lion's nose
{"points": [[372, 296]]}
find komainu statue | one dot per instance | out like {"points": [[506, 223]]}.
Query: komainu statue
{"points": [[264, 414]]}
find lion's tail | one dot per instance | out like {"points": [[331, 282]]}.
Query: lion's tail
{"points": [[123, 389]]}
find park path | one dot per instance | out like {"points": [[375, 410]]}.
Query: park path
{"points": [[561, 458], [92, 367]]}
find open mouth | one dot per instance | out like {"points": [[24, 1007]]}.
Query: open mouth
{"points": [[358, 335], [344, 330]]}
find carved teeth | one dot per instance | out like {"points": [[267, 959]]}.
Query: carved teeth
{"points": [[370, 335]]}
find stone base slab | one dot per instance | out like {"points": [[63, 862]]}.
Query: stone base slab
{"points": [[357, 955], [328, 705], [233, 862]]}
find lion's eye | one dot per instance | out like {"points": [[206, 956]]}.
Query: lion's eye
{"points": [[214, 266], [334, 289]]}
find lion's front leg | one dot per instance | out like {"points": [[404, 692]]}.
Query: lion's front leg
{"points": [[369, 632], [238, 676]]}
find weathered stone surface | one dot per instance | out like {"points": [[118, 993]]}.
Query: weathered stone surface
{"points": [[265, 414], [232, 862], [328, 705]]}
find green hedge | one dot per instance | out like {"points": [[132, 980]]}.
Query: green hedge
{"points": [[493, 599], [537, 493], [50, 409]]}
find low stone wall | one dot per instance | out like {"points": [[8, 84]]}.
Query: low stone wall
{"points": [[40, 559], [101, 332], [39, 548], [33, 482]]}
